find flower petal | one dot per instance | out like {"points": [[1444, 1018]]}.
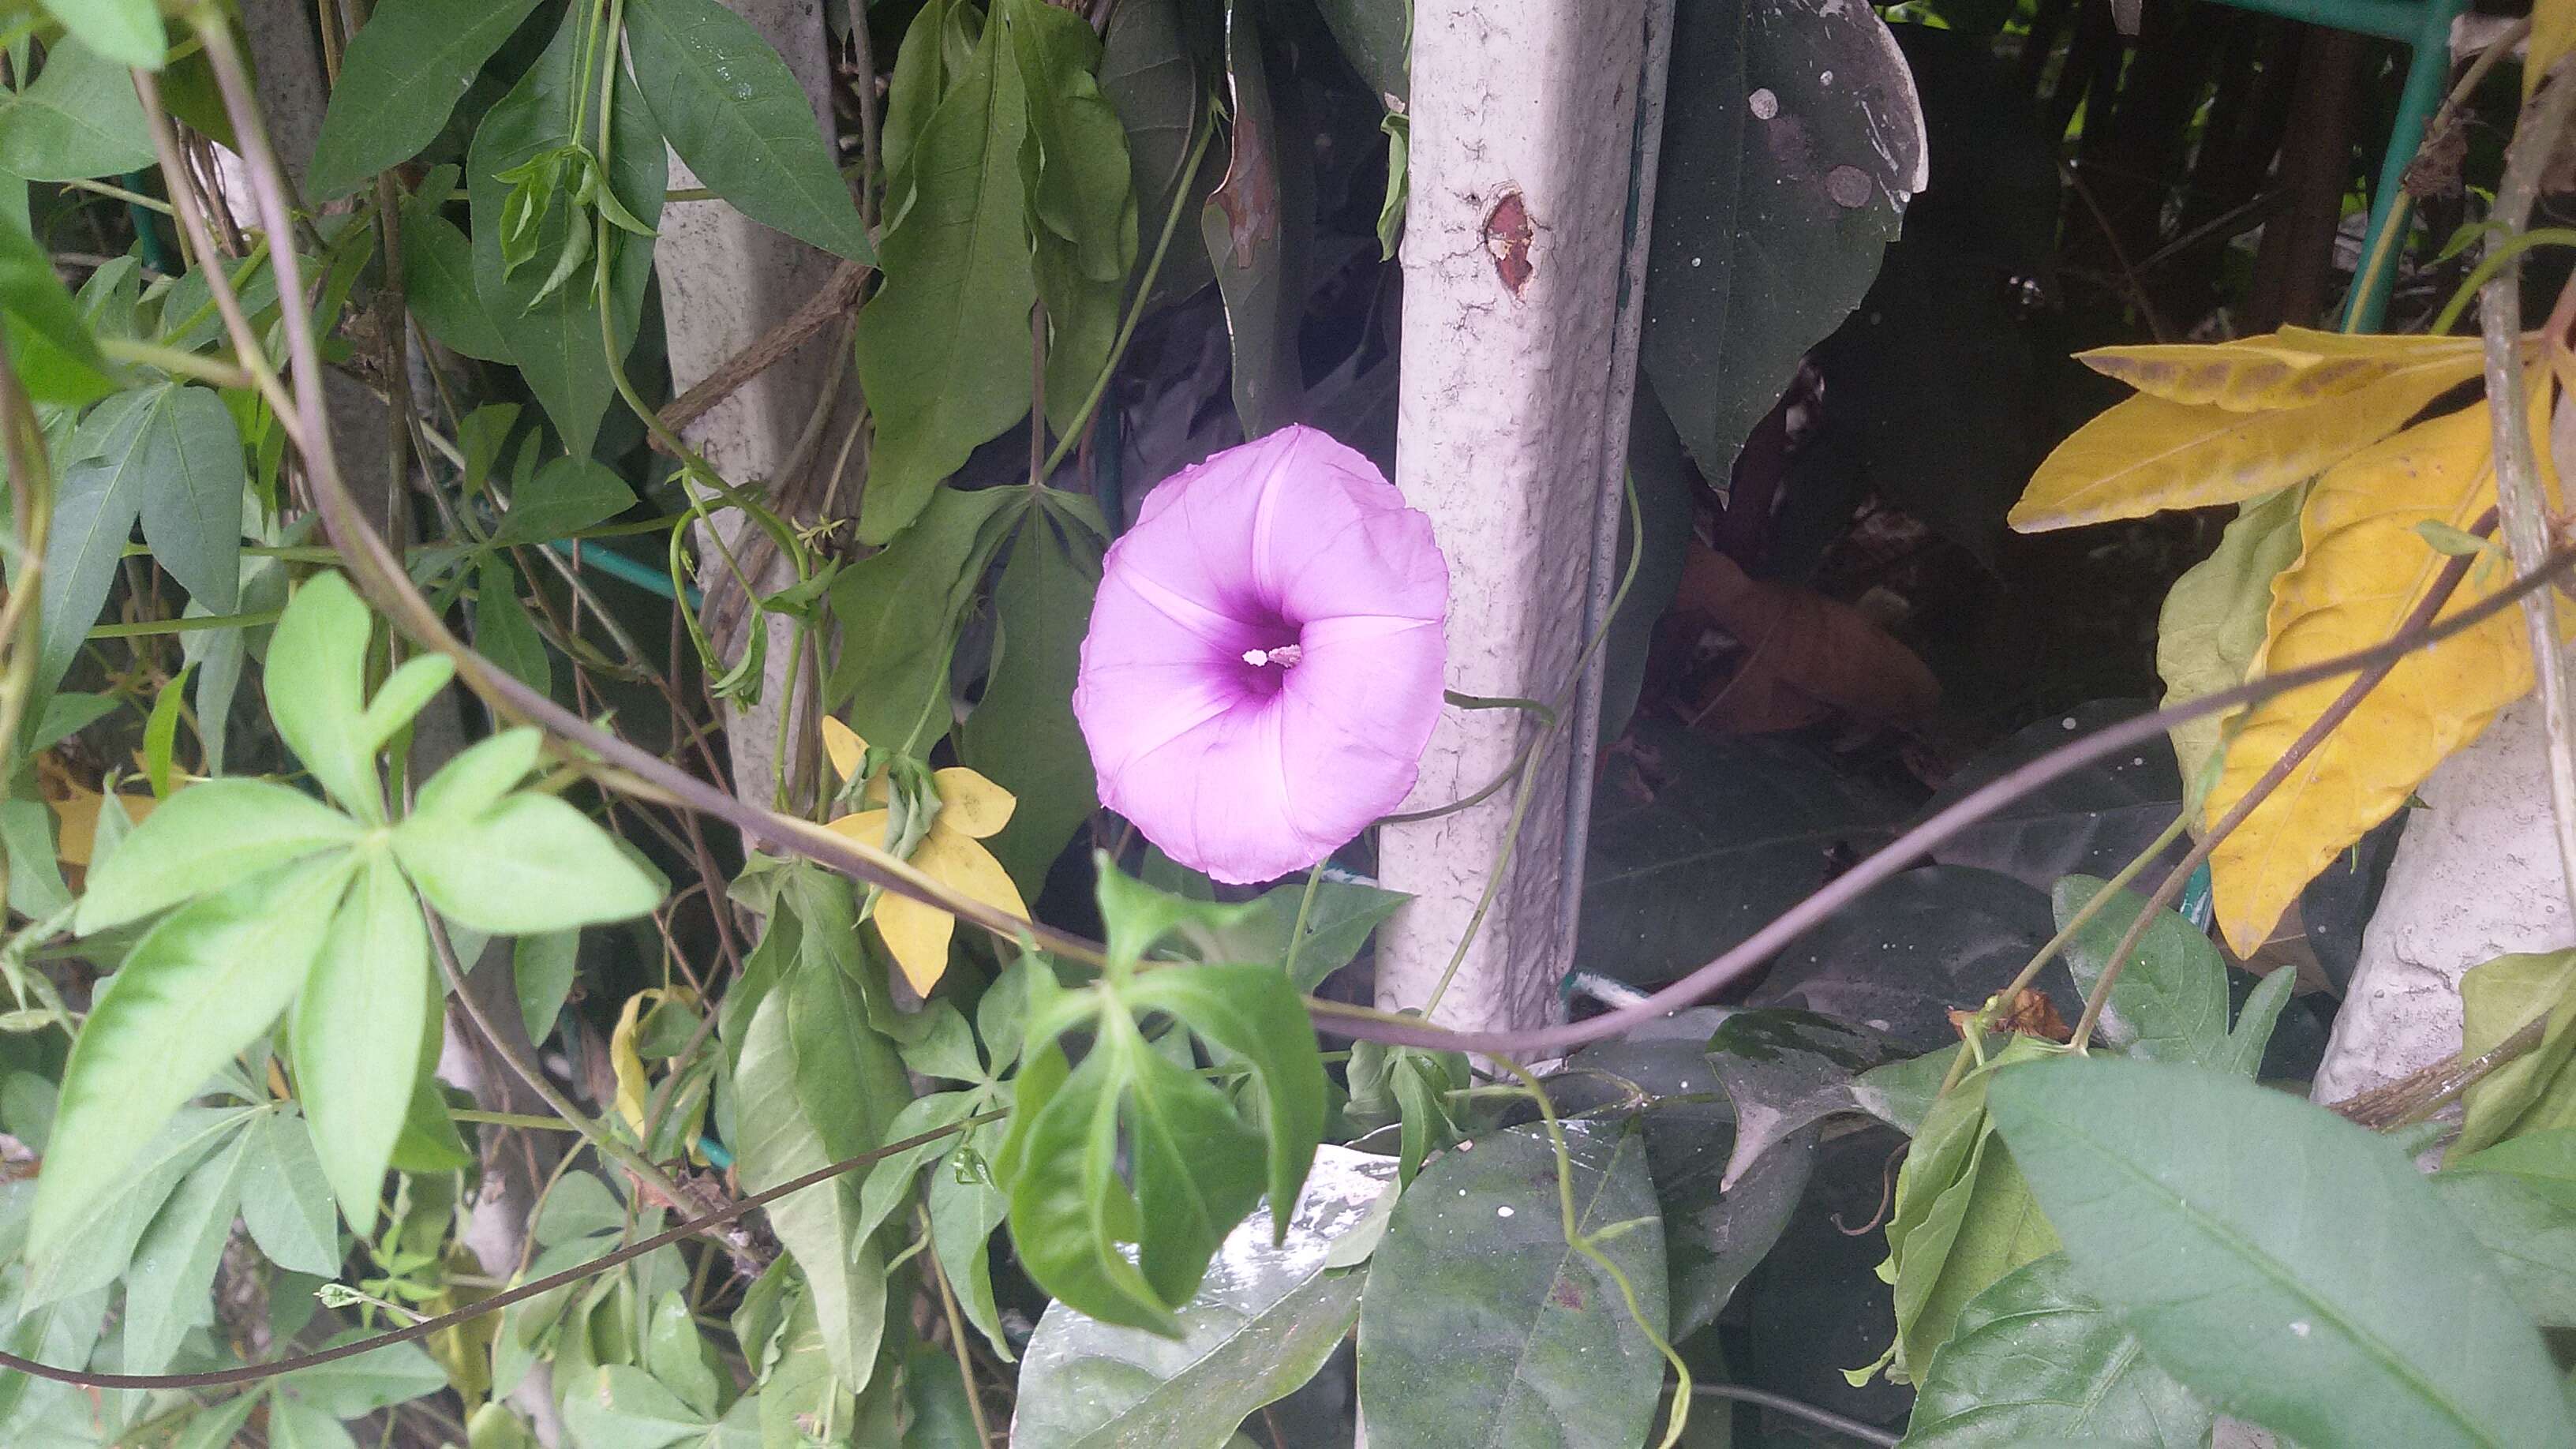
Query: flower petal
{"points": [[1240, 764], [868, 827], [917, 935]]}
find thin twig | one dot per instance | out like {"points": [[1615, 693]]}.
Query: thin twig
{"points": [[2426, 610], [2419, 1094], [1782, 1403], [2518, 490]]}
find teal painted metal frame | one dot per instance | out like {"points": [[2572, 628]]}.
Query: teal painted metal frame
{"points": [[2424, 26]]}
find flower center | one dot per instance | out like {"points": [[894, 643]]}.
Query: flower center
{"points": [[1285, 656]]}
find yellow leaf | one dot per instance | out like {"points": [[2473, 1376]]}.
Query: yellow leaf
{"points": [[2553, 34], [76, 806], [2362, 571], [2148, 454], [917, 934], [843, 746], [972, 804], [632, 1087], [868, 827]]}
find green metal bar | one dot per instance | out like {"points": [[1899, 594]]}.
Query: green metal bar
{"points": [[2399, 20], [2426, 77]]}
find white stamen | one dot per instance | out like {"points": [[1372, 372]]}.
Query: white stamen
{"points": [[1285, 656]]}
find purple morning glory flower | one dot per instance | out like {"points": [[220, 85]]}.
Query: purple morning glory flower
{"points": [[1264, 662]]}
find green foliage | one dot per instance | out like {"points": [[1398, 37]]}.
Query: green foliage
{"points": [[1479, 1326], [402, 74], [2033, 1357], [79, 118], [2258, 1296]]}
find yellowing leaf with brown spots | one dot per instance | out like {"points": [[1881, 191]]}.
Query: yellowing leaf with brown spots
{"points": [[2289, 369], [2151, 454], [2362, 570]]}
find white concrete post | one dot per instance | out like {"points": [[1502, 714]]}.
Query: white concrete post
{"points": [[726, 280], [1524, 256], [2476, 876]]}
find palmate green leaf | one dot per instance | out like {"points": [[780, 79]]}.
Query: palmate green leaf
{"points": [[1338, 923], [531, 863], [1480, 1326], [358, 1035], [1252, 1012], [2033, 1358], [557, 343], [295, 1424], [480, 774], [2290, 1267], [739, 120], [2170, 1004], [127, 32], [898, 610], [205, 839], [49, 342], [1022, 735], [1249, 1336], [943, 347], [351, 1388], [317, 662], [80, 118], [1069, 1210], [194, 991], [630, 1409], [286, 1201], [402, 73], [171, 454], [100, 1253], [174, 1264], [774, 1140]]}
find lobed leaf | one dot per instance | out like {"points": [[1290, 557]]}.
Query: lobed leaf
{"points": [[358, 1035], [206, 839]]}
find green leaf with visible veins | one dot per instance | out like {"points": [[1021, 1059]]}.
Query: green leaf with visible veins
{"points": [[358, 1035], [943, 347], [205, 839], [402, 73], [2034, 1358], [2262, 1247], [735, 114], [196, 990], [80, 118], [127, 32]]}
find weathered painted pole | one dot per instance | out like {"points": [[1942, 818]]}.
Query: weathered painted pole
{"points": [[1534, 128]]}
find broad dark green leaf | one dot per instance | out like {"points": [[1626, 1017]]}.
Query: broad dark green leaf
{"points": [[1373, 35], [1784, 1070], [402, 73], [1698, 842], [565, 497], [286, 1201], [2260, 1247], [206, 839], [543, 968], [80, 118], [775, 1140], [1150, 70], [49, 342], [1022, 734], [738, 119], [195, 990], [557, 342], [898, 611], [2529, 1224], [1256, 1329], [1481, 1326], [166, 1291], [2091, 822], [2170, 1005], [1901, 958], [438, 284], [171, 454], [2034, 1358], [531, 863], [316, 690], [1777, 192], [127, 32], [1257, 226], [503, 630], [943, 347], [358, 1035]]}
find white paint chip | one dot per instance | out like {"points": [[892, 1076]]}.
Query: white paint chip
{"points": [[1764, 104]]}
